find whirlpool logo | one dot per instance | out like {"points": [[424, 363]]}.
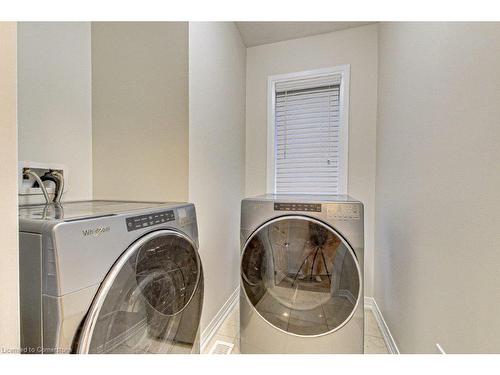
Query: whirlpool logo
{"points": [[95, 232]]}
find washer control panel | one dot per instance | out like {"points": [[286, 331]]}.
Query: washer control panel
{"points": [[306, 207], [143, 221]]}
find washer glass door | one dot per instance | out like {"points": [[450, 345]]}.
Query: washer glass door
{"points": [[301, 276], [151, 300]]}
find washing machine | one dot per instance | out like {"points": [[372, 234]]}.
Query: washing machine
{"points": [[110, 277], [301, 274]]}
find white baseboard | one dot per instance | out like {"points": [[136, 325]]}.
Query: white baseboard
{"points": [[371, 304], [219, 318]]}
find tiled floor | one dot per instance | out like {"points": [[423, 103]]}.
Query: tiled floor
{"points": [[229, 332]]}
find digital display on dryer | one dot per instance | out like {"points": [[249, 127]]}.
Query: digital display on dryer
{"points": [[143, 221], [306, 207]]}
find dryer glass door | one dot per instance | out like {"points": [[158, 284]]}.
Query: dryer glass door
{"points": [[151, 300], [301, 276]]}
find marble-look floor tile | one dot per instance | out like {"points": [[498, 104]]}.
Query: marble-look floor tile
{"points": [[375, 345], [234, 316], [229, 332], [371, 326], [228, 328], [236, 349]]}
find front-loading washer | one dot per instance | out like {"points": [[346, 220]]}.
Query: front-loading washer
{"points": [[301, 274], [110, 277]]}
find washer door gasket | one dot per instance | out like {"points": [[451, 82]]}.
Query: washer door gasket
{"points": [[301, 276]]}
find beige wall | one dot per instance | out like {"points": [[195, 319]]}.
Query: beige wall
{"points": [[357, 47], [9, 313], [437, 197], [217, 153], [140, 110], [54, 94]]}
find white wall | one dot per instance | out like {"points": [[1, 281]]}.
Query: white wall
{"points": [[437, 197], [357, 47], [217, 153], [140, 110], [9, 275], [54, 100]]}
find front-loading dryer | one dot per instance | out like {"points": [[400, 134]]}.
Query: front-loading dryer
{"points": [[110, 277], [301, 274]]}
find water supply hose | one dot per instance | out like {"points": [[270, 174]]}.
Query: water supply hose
{"points": [[29, 172], [60, 190]]}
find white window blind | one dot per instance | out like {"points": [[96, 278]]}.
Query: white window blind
{"points": [[307, 135]]}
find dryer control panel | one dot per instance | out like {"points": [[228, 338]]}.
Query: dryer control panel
{"points": [[306, 207], [143, 221]]}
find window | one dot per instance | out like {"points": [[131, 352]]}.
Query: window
{"points": [[307, 132]]}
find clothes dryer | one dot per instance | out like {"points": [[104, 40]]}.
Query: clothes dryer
{"points": [[301, 274]]}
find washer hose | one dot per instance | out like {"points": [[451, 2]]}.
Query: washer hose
{"points": [[29, 172], [60, 190]]}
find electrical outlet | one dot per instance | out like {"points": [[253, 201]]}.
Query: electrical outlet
{"points": [[440, 349]]}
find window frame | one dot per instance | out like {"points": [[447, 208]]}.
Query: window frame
{"points": [[344, 71]]}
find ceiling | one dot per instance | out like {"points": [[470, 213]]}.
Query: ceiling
{"points": [[257, 33]]}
